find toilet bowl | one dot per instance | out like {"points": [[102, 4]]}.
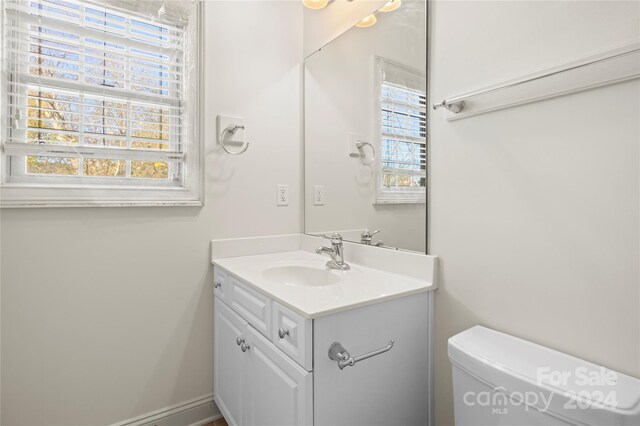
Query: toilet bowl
{"points": [[499, 379]]}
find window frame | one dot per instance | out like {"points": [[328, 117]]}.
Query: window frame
{"points": [[384, 195], [67, 191]]}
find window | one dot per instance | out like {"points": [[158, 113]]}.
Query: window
{"points": [[101, 105], [402, 133]]}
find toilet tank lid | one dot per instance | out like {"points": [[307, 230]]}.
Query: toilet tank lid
{"points": [[495, 357]]}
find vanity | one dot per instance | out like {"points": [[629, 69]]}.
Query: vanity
{"points": [[310, 334], [297, 343]]}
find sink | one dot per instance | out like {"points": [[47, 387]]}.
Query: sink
{"points": [[306, 273], [301, 281]]}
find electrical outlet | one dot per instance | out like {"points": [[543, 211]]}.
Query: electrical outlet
{"points": [[318, 195], [283, 195]]}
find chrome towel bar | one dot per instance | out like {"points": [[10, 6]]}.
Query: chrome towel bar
{"points": [[338, 353], [457, 104]]}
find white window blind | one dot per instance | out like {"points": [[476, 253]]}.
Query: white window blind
{"points": [[403, 131], [95, 95]]}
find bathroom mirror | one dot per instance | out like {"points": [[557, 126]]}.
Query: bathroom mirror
{"points": [[365, 131]]}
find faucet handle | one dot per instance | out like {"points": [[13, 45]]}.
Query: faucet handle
{"points": [[368, 234], [335, 238]]}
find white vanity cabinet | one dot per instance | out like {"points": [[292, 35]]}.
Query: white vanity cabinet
{"points": [[254, 382], [272, 364]]}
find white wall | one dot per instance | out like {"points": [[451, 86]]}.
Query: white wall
{"points": [[534, 210], [339, 101], [107, 312]]}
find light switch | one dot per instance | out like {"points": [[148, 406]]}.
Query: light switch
{"points": [[318, 195]]}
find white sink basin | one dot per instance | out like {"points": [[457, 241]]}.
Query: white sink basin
{"points": [[301, 281], [301, 273]]}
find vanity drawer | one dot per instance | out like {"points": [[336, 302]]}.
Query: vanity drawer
{"points": [[221, 285], [252, 305], [291, 333]]}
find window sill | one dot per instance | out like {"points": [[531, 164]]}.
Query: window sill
{"points": [[387, 202], [32, 196], [401, 197]]}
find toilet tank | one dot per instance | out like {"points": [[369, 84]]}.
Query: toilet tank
{"points": [[499, 379]]}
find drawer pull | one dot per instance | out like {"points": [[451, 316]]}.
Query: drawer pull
{"points": [[337, 352], [217, 284], [244, 346], [239, 341], [282, 332]]}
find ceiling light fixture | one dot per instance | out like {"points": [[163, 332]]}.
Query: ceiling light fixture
{"points": [[367, 22], [315, 4], [391, 6]]}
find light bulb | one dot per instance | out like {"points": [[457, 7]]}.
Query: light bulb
{"points": [[391, 6], [315, 4], [367, 22]]}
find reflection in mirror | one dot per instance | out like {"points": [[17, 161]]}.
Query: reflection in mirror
{"points": [[365, 132]]}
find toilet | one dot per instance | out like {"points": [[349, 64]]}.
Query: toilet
{"points": [[499, 379]]}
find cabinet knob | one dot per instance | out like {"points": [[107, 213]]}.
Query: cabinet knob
{"points": [[282, 332], [239, 341], [217, 284], [244, 346]]}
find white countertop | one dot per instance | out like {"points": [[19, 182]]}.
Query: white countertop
{"points": [[359, 286]]}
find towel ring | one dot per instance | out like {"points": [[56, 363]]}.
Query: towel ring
{"points": [[231, 129], [360, 146]]}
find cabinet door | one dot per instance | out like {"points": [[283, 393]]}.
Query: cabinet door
{"points": [[228, 362], [278, 391], [291, 333]]}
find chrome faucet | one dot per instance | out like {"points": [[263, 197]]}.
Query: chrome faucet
{"points": [[367, 236], [336, 252]]}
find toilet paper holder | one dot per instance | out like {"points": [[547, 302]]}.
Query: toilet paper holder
{"points": [[338, 353]]}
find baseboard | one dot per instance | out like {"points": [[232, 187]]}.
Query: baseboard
{"points": [[194, 412], [207, 420]]}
